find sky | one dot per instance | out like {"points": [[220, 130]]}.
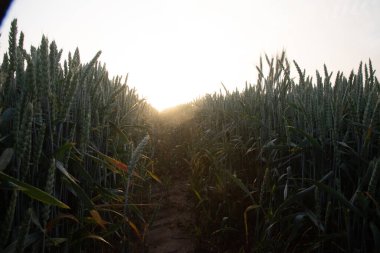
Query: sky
{"points": [[177, 50]]}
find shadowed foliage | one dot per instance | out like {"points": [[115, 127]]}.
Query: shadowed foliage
{"points": [[290, 164], [75, 153]]}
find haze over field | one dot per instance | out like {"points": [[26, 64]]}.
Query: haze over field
{"points": [[175, 51]]}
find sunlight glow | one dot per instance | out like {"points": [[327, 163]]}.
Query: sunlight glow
{"points": [[176, 51]]}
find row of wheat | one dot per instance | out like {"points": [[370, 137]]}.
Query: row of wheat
{"points": [[289, 164], [74, 165]]}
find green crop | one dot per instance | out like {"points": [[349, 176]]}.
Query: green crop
{"points": [[289, 164], [302, 159], [59, 122]]}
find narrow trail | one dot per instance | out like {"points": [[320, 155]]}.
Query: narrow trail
{"points": [[173, 221], [169, 232]]}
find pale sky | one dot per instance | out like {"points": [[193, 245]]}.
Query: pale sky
{"points": [[177, 50]]}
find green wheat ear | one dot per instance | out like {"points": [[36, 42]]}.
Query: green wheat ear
{"points": [[6, 227], [9, 88], [24, 230], [39, 141], [317, 200], [372, 186], [264, 185], [50, 181], [24, 131]]}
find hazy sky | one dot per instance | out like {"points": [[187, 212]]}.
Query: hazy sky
{"points": [[177, 50]]}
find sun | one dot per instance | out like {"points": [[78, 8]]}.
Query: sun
{"points": [[167, 99]]}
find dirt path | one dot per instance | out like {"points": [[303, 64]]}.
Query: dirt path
{"points": [[169, 232]]}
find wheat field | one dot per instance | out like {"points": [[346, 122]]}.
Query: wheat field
{"points": [[289, 164]]}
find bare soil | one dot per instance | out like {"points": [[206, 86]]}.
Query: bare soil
{"points": [[170, 231]]}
